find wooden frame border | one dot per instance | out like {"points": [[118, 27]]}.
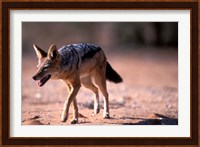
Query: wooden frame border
{"points": [[7, 6]]}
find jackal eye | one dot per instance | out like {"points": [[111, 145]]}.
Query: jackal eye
{"points": [[45, 68]]}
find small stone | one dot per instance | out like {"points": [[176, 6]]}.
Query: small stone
{"points": [[38, 95], [36, 117], [83, 121], [33, 122], [169, 106]]}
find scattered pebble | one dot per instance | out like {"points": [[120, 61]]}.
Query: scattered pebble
{"points": [[38, 95], [83, 121], [35, 117], [156, 116], [169, 106], [32, 122]]}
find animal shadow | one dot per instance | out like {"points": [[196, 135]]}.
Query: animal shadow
{"points": [[155, 119]]}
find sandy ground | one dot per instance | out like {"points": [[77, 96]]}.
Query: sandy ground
{"points": [[148, 95]]}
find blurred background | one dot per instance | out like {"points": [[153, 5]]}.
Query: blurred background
{"points": [[145, 54], [109, 35]]}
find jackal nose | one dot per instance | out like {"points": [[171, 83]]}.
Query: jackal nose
{"points": [[34, 77]]}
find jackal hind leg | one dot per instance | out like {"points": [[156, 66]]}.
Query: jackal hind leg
{"points": [[100, 80], [87, 83], [73, 90]]}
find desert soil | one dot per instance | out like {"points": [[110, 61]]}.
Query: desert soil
{"points": [[148, 95]]}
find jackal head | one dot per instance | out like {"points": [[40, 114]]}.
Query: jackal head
{"points": [[48, 64]]}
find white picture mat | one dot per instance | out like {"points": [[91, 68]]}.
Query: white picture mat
{"points": [[180, 16]]}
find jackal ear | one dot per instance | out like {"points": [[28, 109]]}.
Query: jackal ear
{"points": [[53, 52], [39, 52]]}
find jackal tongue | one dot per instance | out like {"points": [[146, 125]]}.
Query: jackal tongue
{"points": [[44, 80]]}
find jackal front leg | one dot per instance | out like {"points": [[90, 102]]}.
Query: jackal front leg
{"points": [[73, 91], [75, 112]]}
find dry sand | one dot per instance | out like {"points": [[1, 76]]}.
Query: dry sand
{"points": [[148, 95]]}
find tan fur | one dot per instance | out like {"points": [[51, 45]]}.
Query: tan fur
{"points": [[94, 68]]}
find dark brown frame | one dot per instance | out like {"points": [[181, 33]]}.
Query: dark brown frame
{"points": [[7, 6]]}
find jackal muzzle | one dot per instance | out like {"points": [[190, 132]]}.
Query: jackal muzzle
{"points": [[43, 80]]}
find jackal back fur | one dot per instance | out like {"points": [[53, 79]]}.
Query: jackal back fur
{"points": [[76, 65]]}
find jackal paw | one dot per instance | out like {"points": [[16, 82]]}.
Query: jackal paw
{"points": [[74, 121], [64, 117], [106, 115]]}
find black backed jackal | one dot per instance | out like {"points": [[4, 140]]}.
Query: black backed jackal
{"points": [[76, 64]]}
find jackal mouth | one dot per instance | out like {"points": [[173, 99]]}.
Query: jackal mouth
{"points": [[44, 80]]}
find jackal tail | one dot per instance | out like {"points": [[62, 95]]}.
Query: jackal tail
{"points": [[112, 75]]}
